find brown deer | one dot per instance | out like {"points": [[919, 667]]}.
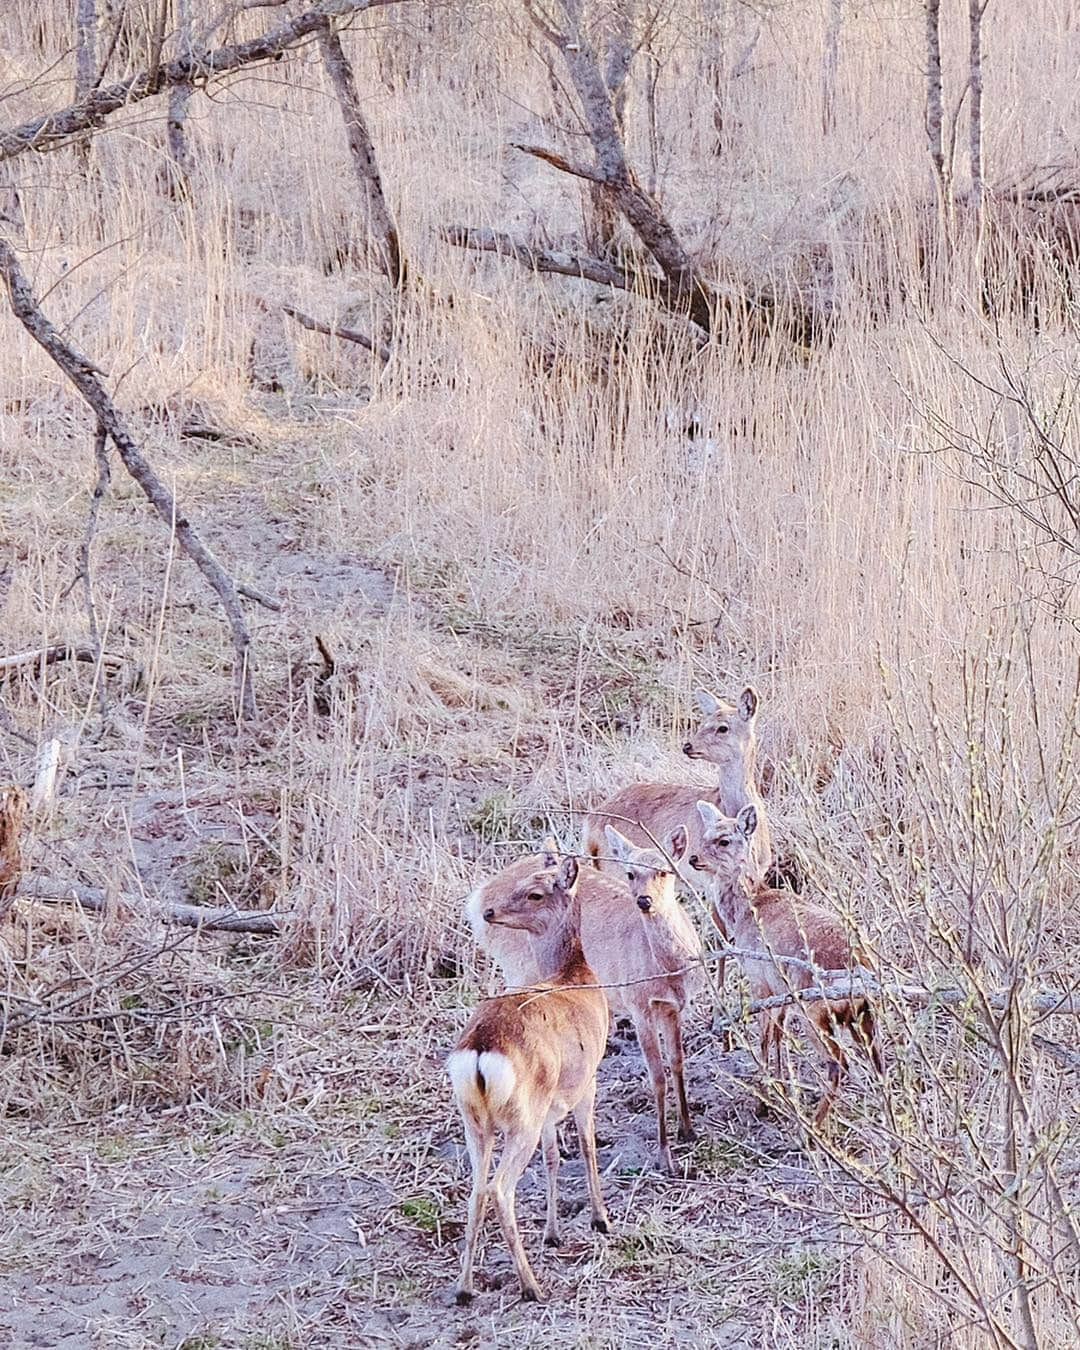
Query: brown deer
{"points": [[12, 814], [639, 942], [769, 926], [526, 1059], [650, 812]]}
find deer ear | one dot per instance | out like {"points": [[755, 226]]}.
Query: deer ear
{"points": [[618, 843], [567, 875], [679, 841], [747, 820], [707, 703], [748, 703], [710, 816], [550, 852]]}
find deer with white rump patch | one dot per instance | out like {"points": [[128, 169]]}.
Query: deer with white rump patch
{"points": [[641, 946], [771, 925], [648, 812], [527, 1059]]}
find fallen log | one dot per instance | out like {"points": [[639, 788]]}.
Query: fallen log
{"points": [[95, 900]]}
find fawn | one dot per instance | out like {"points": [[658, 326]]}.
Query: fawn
{"points": [[770, 925], [650, 812], [638, 941], [526, 1059]]}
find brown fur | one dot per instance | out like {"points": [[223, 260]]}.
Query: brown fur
{"points": [[624, 947], [12, 815], [775, 924], [648, 813], [528, 1058]]}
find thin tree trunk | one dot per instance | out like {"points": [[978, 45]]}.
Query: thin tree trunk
{"points": [[976, 9], [86, 378], [600, 226], [829, 63], [85, 63], [381, 232], [934, 114], [182, 160]]}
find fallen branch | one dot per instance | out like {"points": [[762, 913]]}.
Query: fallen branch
{"points": [[378, 349], [53, 129], [84, 377], [61, 651], [189, 916]]}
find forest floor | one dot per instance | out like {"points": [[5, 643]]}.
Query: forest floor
{"points": [[291, 1172]]}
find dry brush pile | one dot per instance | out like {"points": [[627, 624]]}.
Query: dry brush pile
{"points": [[545, 364]]}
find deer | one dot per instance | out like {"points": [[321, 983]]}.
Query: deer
{"points": [[767, 926], [639, 942], [648, 812], [527, 1059]]}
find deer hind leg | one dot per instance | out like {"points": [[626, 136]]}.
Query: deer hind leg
{"points": [[480, 1143], [866, 1034], [823, 1031], [518, 1148], [645, 1026], [671, 1024], [550, 1139], [585, 1120]]}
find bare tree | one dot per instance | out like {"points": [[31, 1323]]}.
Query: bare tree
{"points": [[87, 380], [976, 9], [935, 117], [85, 61], [180, 156], [380, 232], [829, 63]]}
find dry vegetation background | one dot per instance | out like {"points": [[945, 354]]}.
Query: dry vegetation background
{"points": [[526, 539]]}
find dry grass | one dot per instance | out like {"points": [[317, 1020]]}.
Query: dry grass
{"points": [[523, 566]]}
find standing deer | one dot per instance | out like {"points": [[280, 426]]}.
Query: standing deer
{"points": [[639, 942], [648, 812], [771, 925], [526, 1059]]}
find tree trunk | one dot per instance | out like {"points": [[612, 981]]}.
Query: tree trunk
{"points": [[182, 162], [86, 378], [85, 64], [380, 231], [830, 60], [975, 15], [934, 114]]}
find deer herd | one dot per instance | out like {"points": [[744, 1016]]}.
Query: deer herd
{"points": [[578, 942]]}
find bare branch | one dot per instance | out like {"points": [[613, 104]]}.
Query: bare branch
{"points": [[52, 129], [542, 259], [557, 161], [86, 381], [379, 349]]}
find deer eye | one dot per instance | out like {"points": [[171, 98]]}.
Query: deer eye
{"points": [[723, 843], [722, 728], [535, 895], [629, 876]]}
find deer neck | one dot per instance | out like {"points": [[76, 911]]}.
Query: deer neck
{"points": [[735, 785], [732, 896], [557, 951]]}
